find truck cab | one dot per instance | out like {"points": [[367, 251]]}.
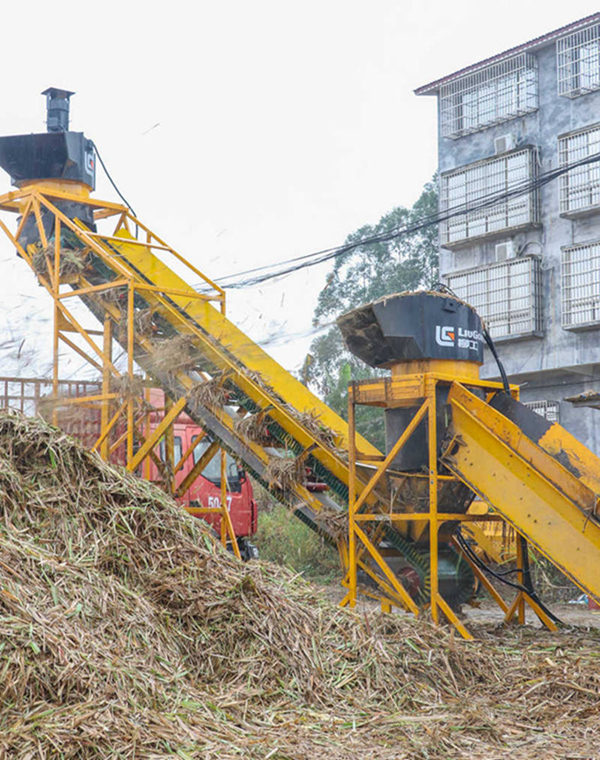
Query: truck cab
{"points": [[205, 490]]}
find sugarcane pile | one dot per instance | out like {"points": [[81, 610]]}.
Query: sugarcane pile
{"points": [[127, 632]]}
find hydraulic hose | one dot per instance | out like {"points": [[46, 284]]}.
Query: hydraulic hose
{"points": [[526, 588], [490, 344]]}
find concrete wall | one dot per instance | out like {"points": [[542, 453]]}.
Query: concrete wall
{"points": [[582, 422], [562, 362]]}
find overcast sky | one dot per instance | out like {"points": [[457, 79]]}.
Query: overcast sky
{"points": [[245, 133]]}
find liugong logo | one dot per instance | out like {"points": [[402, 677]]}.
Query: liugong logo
{"points": [[447, 336], [444, 336]]}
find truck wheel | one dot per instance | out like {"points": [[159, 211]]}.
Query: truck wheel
{"points": [[248, 550]]}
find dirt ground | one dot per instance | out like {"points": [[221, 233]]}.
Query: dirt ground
{"points": [[488, 612], [570, 614]]}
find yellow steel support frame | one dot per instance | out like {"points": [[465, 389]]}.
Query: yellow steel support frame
{"points": [[218, 340], [548, 503], [137, 271], [363, 551], [126, 418]]}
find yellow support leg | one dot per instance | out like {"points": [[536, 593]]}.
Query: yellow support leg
{"points": [[452, 618], [226, 524], [130, 401], [106, 376], [433, 491], [351, 595]]}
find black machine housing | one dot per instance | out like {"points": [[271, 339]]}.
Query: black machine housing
{"points": [[413, 326], [56, 154], [417, 326], [49, 155]]}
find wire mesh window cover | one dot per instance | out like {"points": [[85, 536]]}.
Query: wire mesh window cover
{"points": [[581, 285], [580, 187], [549, 410], [578, 62], [473, 186], [506, 295], [497, 93]]}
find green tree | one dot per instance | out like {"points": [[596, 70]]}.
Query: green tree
{"points": [[365, 273]]}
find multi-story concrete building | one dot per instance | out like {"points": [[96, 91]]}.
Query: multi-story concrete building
{"points": [[521, 241]]}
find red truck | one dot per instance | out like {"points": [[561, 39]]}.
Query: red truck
{"points": [[206, 489], [32, 396]]}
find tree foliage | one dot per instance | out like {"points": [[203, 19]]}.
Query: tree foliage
{"points": [[368, 272]]}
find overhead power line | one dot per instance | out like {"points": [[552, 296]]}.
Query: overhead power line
{"points": [[257, 275]]}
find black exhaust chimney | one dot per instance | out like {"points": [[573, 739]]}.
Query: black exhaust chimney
{"points": [[57, 109]]}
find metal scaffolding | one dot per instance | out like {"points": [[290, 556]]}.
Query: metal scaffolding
{"points": [[121, 399], [365, 546]]}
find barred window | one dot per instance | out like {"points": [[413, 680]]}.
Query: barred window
{"points": [[578, 62], [507, 296], [580, 187], [549, 410], [581, 286], [495, 94], [472, 187]]}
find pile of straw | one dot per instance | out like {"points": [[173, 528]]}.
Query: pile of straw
{"points": [[254, 428], [143, 319], [128, 387], [71, 261], [209, 393], [316, 428], [127, 633], [176, 354], [283, 472]]}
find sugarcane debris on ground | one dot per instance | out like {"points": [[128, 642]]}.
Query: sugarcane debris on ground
{"points": [[127, 632]]}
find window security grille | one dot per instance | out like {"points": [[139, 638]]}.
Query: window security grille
{"points": [[507, 296], [471, 186], [578, 62], [581, 286], [497, 93], [549, 410], [580, 187]]}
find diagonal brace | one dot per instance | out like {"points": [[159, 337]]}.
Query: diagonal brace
{"points": [[149, 444]]}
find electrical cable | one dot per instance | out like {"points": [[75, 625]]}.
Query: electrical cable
{"points": [[490, 343], [443, 288], [526, 571], [464, 546], [324, 255], [312, 259], [111, 180]]}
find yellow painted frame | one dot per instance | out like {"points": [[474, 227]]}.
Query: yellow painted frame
{"points": [[130, 413], [418, 391]]}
